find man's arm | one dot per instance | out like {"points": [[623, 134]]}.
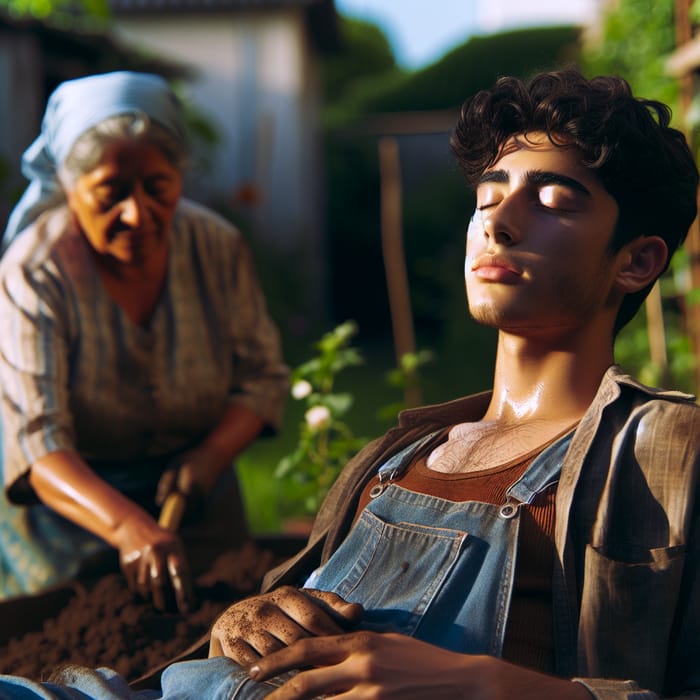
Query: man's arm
{"points": [[371, 664]]}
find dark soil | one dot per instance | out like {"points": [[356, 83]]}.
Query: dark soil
{"points": [[104, 624]]}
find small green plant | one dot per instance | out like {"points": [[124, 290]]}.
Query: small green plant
{"points": [[407, 378], [326, 442]]}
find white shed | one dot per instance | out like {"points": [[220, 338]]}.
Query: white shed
{"points": [[256, 79]]}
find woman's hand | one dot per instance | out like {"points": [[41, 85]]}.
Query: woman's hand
{"points": [[150, 556], [192, 479], [374, 665], [262, 624], [195, 472], [154, 562]]}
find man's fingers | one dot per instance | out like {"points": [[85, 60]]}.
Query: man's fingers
{"points": [[311, 651], [262, 625], [307, 612], [266, 643], [331, 669], [241, 652], [348, 612], [215, 647], [313, 684]]}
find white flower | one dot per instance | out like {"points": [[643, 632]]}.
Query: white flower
{"points": [[317, 417], [301, 389]]}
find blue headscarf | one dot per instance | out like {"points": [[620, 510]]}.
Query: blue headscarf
{"points": [[73, 108]]}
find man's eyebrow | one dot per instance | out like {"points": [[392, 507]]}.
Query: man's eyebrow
{"points": [[536, 177], [545, 177], [499, 176]]}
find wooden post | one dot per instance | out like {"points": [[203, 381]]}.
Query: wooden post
{"points": [[394, 258], [684, 33], [656, 332]]}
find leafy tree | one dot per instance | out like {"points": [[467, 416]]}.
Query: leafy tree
{"points": [[365, 51], [60, 12], [463, 71], [636, 38]]}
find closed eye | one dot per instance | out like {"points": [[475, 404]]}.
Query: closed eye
{"points": [[558, 198]]}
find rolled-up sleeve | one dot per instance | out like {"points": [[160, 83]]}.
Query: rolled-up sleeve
{"points": [[33, 368]]}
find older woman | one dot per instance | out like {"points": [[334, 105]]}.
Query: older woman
{"points": [[137, 357]]}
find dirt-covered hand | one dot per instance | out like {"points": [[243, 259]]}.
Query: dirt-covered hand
{"points": [[265, 623]]}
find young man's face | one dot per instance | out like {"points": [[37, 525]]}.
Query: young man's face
{"points": [[537, 248]]}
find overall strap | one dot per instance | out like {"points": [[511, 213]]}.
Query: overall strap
{"points": [[397, 464], [543, 472]]}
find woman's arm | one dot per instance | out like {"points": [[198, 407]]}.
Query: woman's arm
{"points": [[200, 467], [151, 557], [64, 482], [196, 471]]}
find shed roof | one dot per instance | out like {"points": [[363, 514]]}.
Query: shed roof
{"points": [[71, 53], [320, 14], [200, 5]]}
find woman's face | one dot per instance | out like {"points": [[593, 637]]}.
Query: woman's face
{"points": [[125, 204]]}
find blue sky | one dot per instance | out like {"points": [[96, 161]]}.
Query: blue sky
{"points": [[421, 31]]}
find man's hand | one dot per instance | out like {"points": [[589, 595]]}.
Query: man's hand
{"points": [[262, 624], [373, 665]]}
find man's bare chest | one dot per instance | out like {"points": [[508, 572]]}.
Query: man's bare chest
{"points": [[489, 444]]}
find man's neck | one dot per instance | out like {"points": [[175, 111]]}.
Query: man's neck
{"points": [[545, 381]]}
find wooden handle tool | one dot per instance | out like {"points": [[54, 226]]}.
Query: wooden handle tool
{"points": [[172, 511]]}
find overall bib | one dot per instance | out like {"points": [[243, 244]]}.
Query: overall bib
{"points": [[438, 570]]}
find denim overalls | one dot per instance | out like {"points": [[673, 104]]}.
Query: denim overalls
{"points": [[438, 570]]}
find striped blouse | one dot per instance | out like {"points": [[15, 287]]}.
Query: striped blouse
{"points": [[76, 373]]}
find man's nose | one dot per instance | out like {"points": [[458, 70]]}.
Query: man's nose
{"points": [[503, 222]]}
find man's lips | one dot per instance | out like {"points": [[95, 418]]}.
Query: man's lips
{"points": [[494, 268]]}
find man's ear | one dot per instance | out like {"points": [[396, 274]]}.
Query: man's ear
{"points": [[643, 260]]}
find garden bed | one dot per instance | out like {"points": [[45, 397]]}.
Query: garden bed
{"points": [[104, 624]]}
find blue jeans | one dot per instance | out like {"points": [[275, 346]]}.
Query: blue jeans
{"points": [[207, 679]]}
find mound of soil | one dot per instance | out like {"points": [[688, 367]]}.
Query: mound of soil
{"points": [[104, 624]]}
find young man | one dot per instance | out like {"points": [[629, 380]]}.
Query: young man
{"points": [[550, 529], [538, 540]]}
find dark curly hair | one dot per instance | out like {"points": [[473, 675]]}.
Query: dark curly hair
{"points": [[643, 163]]}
